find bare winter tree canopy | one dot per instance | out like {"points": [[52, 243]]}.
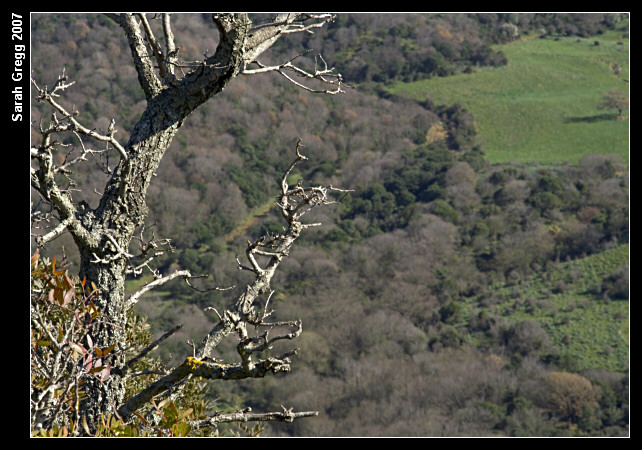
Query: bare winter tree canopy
{"points": [[173, 89]]}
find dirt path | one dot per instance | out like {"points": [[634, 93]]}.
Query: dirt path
{"points": [[250, 220]]}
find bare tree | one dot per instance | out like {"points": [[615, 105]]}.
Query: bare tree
{"points": [[173, 89]]}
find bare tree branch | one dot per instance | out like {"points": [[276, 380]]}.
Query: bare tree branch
{"points": [[57, 231], [165, 67], [133, 299], [171, 49], [154, 345], [264, 35], [325, 75], [42, 180], [146, 75], [247, 416], [103, 234], [244, 312], [48, 96]]}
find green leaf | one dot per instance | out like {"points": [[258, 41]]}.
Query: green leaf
{"points": [[181, 429], [97, 369]]}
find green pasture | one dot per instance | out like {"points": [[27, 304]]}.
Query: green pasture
{"points": [[542, 106], [582, 325]]}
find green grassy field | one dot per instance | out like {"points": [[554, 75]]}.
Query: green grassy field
{"points": [[542, 106], [580, 324]]}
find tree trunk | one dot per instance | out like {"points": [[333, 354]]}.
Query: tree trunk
{"points": [[123, 208], [103, 235]]}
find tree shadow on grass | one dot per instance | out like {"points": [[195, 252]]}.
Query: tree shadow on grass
{"points": [[591, 119]]}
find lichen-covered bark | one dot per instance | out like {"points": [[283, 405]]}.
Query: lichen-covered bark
{"points": [[123, 208], [245, 312], [103, 234]]}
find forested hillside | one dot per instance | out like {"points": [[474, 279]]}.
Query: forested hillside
{"points": [[445, 295]]}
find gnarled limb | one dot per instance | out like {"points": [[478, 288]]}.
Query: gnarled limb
{"points": [[103, 234], [248, 416], [142, 61], [247, 311]]}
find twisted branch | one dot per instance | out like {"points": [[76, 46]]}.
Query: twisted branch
{"points": [[246, 311], [248, 416], [48, 96], [325, 75]]}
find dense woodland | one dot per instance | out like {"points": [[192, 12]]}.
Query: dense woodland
{"points": [[430, 224]]}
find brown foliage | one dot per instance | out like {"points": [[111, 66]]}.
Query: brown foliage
{"points": [[567, 395]]}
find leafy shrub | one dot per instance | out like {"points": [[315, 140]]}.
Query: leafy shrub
{"points": [[616, 285], [63, 359], [450, 312], [443, 209], [524, 337]]}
